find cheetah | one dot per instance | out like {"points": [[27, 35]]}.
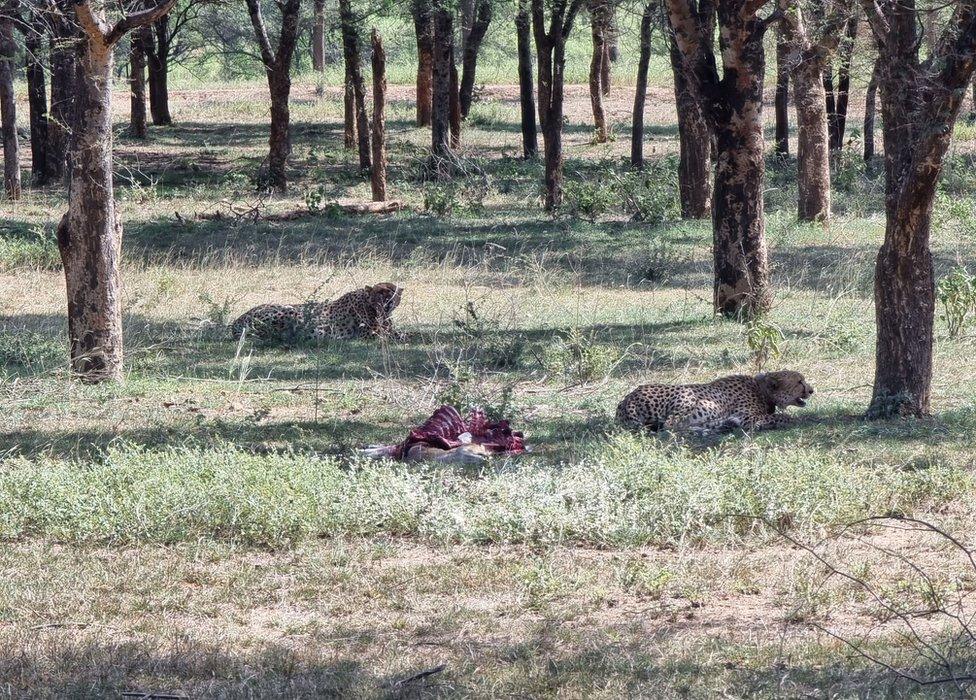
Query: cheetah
{"points": [[738, 401], [362, 313]]}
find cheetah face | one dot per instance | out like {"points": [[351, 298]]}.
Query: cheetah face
{"points": [[386, 295], [786, 388]]}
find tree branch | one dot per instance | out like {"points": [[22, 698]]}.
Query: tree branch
{"points": [[257, 21], [138, 19]]}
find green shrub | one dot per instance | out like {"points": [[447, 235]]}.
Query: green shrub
{"points": [[589, 199], [579, 357], [957, 293]]}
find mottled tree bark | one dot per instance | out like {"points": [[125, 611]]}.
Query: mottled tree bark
{"points": [[870, 110], [424, 28], [551, 49], [782, 101], [530, 142], [469, 58], [90, 233], [378, 172], [64, 40], [812, 153], [440, 133], [734, 109], [8, 107], [37, 101], [349, 110], [318, 36], [138, 126], [920, 102], [599, 11], [157, 60], [837, 102], [640, 93], [695, 142], [354, 71], [277, 68]]}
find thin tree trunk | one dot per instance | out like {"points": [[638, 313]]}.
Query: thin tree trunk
{"points": [[870, 109], [838, 122], [378, 172], [157, 59], [440, 132], [695, 144], [469, 59], [64, 36], [466, 14], [782, 102], [455, 105], [813, 154], [37, 102], [8, 109], [138, 128], [530, 143], [600, 56], [349, 110], [424, 27], [352, 53], [640, 94], [318, 36], [606, 63]]}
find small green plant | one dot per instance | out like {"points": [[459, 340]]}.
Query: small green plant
{"points": [[439, 199], [491, 345], [589, 199], [447, 199], [957, 293], [642, 579], [763, 338], [35, 248], [315, 198], [580, 358], [236, 181], [216, 313], [650, 196]]}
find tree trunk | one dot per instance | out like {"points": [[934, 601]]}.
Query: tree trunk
{"points": [[90, 234], [466, 13], [838, 120], [37, 103], [349, 111], [870, 109], [598, 10], [353, 57], [8, 109], [813, 154], [157, 58], [138, 127], [378, 172], [695, 144], [424, 27], [606, 63], [64, 34], [640, 93], [440, 133], [455, 106], [318, 37], [782, 102], [279, 140], [530, 143], [469, 59]]}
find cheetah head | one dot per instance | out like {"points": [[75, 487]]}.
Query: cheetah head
{"points": [[785, 388], [385, 295]]}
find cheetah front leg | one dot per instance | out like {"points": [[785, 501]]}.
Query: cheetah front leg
{"points": [[703, 417], [771, 421]]}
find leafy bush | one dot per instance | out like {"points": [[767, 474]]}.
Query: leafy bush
{"points": [[589, 199], [651, 195], [957, 292], [763, 339], [579, 357], [456, 197]]}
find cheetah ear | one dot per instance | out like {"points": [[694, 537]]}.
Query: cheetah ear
{"points": [[771, 381]]}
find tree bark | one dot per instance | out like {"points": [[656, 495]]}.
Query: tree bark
{"points": [[782, 101], [349, 110], [870, 109], [138, 127], [920, 102], [424, 28], [695, 141], [157, 60], [353, 57], [64, 37], [440, 133], [277, 68], [530, 143], [469, 59], [813, 154], [37, 103], [551, 50], [640, 93], [455, 105], [318, 37], [90, 233], [838, 118], [600, 56], [378, 172], [734, 110], [8, 108]]}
